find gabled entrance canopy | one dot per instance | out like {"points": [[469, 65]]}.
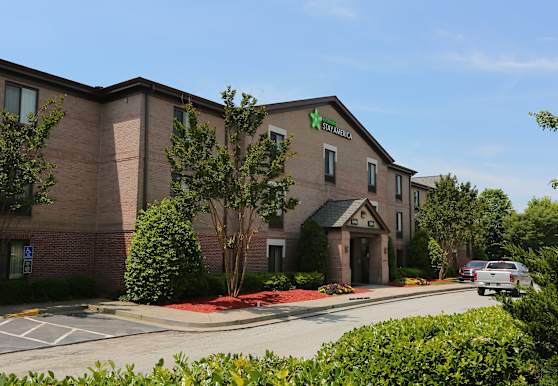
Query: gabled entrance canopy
{"points": [[358, 214]]}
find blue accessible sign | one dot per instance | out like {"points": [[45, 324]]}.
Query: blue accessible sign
{"points": [[27, 259]]}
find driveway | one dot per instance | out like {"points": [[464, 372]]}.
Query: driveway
{"points": [[301, 337], [28, 333]]}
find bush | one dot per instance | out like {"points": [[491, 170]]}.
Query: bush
{"points": [[437, 258], [312, 248], [479, 347], [410, 272], [411, 281], [45, 290], [308, 280], [418, 253], [336, 289], [278, 282], [164, 249]]}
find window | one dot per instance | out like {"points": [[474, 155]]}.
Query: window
{"points": [[21, 101], [416, 198], [399, 225], [277, 135], [23, 201], [182, 117], [372, 173], [330, 158], [16, 259], [275, 255], [398, 187]]}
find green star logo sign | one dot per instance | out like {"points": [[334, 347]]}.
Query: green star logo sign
{"points": [[316, 120], [320, 123]]}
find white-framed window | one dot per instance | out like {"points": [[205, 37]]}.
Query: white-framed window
{"points": [[182, 117], [399, 225], [398, 187], [275, 254], [330, 159], [372, 170], [20, 100]]}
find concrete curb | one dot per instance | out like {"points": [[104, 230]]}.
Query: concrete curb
{"points": [[263, 319]]}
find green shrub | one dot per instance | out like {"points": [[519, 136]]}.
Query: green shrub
{"points": [[481, 347], [312, 248], [411, 281], [308, 280], [44, 290], [164, 248], [278, 282], [418, 253], [255, 281], [437, 258], [336, 289], [194, 285]]}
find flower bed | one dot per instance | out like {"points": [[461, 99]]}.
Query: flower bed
{"points": [[417, 281], [265, 298]]}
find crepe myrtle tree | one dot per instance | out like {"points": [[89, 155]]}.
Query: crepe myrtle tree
{"points": [[240, 183], [25, 175]]}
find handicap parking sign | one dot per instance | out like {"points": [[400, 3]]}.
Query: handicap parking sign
{"points": [[28, 252]]}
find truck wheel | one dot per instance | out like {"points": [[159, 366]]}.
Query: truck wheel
{"points": [[480, 291]]}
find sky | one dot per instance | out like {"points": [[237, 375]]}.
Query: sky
{"points": [[444, 86]]}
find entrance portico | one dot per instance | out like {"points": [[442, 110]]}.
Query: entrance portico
{"points": [[357, 241]]}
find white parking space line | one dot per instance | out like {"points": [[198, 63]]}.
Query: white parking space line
{"points": [[32, 329], [64, 336], [5, 321], [25, 337], [77, 329]]}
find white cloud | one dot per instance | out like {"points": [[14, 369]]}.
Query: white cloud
{"points": [[483, 62], [336, 8]]}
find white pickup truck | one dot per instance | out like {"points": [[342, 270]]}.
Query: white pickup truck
{"points": [[502, 276]]}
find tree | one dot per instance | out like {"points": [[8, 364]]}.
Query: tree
{"points": [[536, 227], [547, 121], [437, 257], [240, 183], [450, 215], [25, 175], [164, 250], [312, 248], [495, 207]]}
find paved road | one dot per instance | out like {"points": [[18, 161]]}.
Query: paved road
{"points": [[301, 337], [46, 331]]}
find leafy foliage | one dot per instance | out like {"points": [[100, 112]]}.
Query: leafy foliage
{"points": [[438, 258], [308, 280], [536, 227], [480, 347], [164, 249], [412, 281], [312, 248], [45, 290], [547, 121], [278, 282], [414, 272], [240, 183], [451, 216], [495, 208], [418, 253]]}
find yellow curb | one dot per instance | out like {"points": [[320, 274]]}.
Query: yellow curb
{"points": [[30, 312]]}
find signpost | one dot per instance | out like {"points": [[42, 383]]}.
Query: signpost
{"points": [[27, 259]]}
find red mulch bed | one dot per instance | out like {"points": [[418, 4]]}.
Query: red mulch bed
{"points": [[223, 303]]}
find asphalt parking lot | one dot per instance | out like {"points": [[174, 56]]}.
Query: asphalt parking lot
{"points": [[28, 333]]}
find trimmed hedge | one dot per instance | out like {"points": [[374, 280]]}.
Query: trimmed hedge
{"points": [[211, 284], [164, 248], [479, 347], [46, 290]]}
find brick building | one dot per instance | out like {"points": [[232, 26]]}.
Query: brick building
{"points": [[110, 157]]}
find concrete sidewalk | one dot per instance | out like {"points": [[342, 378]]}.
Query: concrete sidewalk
{"points": [[252, 317]]}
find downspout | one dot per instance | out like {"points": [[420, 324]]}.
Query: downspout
{"points": [[145, 145]]}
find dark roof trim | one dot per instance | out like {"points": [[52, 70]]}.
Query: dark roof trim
{"points": [[107, 94], [422, 186], [402, 169], [341, 109]]}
